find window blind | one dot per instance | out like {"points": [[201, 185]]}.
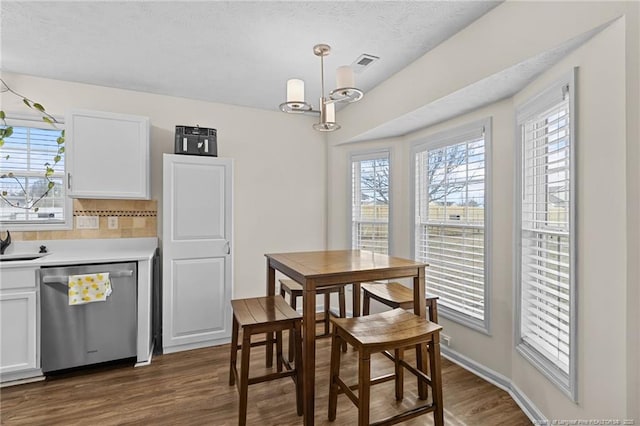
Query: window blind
{"points": [[370, 202], [29, 149], [545, 258], [450, 221]]}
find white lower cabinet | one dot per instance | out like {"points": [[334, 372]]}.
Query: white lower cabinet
{"points": [[19, 357], [196, 252]]}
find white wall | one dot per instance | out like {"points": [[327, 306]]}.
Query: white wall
{"points": [[280, 164], [608, 195], [601, 223], [633, 206]]}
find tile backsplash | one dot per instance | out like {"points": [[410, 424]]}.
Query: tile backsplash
{"points": [[135, 219]]}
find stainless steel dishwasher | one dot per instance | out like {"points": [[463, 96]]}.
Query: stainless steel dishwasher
{"points": [[91, 333]]}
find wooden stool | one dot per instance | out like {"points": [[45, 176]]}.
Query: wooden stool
{"points": [[395, 295], [294, 290], [262, 315], [391, 330]]}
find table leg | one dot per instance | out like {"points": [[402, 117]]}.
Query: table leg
{"points": [[420, 309], [309, 350], [271, 291]]}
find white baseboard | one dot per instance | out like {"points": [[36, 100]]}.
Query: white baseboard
{"points": [[497, 379], [197, 345]]}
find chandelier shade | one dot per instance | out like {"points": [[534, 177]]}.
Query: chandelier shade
{"points": [[345, 92]]}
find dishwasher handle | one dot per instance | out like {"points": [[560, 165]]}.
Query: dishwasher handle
{"points": [[64, 279]]}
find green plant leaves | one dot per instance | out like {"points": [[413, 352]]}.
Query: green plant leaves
{"points": [[7, 131]]}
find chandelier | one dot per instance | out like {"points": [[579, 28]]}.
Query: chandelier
{"points": [[345, 93]]}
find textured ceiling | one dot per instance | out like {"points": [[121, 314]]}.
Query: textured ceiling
{"points": [[236, 52]]}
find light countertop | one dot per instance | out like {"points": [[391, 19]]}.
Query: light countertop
{"points": [[74, 252]]}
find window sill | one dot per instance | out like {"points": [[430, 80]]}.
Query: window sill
{"points": [[560, 379], [474, 324], [67, 225]]}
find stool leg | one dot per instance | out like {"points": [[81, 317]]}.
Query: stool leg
{"points": [[432, 308], [436, 379], [279, 351], [364, 383], [399, 370], [297, 332], [356, 299], [343, 311], [234, 352], [327, 305], [334, 372], [244, 377], [366, 304], [269, 350], [422, 365], [292, 302]]}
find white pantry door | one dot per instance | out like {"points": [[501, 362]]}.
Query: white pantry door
{"points": [[197, 247]]}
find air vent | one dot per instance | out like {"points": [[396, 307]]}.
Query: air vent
{"points": [[364, 61]]}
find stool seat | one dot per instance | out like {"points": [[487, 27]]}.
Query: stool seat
{"points": [[295, 290], [395, 295], [292, 286], [263, 311], [393, 330], [386, 330], [264, 315]]}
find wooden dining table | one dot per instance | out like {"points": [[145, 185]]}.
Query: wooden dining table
{"points": [[317, 269]]}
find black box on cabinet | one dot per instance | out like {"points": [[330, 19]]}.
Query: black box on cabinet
{"points": [[196, 141]]}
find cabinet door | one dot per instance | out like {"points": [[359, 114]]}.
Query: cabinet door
{"points": [[18, 332], [107, 155], [196, 252]]}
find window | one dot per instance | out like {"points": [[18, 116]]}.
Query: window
{"points": [[370, 201], [451, 217], [25, 155], [545, 267]]}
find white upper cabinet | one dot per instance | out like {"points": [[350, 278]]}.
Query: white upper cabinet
{"points": [[107, 155]]}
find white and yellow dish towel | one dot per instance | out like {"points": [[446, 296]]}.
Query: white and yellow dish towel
{"points": [[89, 288]]}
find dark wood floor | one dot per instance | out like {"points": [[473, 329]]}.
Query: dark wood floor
{"points": [[191, 388]]}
